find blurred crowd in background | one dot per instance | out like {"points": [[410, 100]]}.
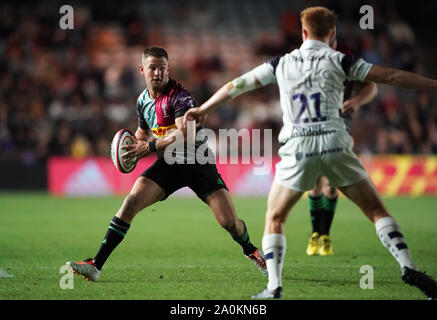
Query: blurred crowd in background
{"points": [[67, 92]]}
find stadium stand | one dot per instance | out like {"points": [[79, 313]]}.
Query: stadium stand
{"points": [[66, 92]]}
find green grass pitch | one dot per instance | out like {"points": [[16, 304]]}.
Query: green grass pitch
{"points": [[176, 250]]}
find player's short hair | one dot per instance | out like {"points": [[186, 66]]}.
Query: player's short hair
{"points": [[154, 51], [318, 21]]}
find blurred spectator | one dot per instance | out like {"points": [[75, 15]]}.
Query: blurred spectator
{"points": [[290, 29], [369, 51], [60, 143], [81, 147]]}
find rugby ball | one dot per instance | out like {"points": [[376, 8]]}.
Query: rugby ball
{"points": [[122, 137]]}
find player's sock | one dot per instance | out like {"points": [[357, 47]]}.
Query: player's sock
{"points": [[274, 246], [316, 211], [244, 241], [391, 237], [116, 232], [326, 217]]}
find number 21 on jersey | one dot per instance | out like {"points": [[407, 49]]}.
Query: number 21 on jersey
{"points": [[312, 107]]}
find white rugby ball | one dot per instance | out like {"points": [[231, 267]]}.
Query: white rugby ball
{"points": [[122, 137]]}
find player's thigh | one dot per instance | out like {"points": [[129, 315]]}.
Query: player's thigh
{"points": [[280, 201], [144, 193], [169, 177], [205, 180], [209, 186], [299, 166], [366, 197]]}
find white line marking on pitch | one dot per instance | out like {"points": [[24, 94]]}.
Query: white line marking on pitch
{"points": [[4, 274]]}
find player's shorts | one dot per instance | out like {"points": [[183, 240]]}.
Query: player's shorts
{"points": [[203, 179], [304, 158]]}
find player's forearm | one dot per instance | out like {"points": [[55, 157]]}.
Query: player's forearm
{"points": [[400, 78], [219, 98], [163, 143], [142, 135], [245, 83], [412, 81], [368, 91]]}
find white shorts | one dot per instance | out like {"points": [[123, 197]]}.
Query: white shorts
{"points": [[303, 158]]}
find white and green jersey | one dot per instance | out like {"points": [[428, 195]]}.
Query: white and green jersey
{"points": [[311, 87]]}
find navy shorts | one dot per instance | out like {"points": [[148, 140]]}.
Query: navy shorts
{"points": [[203, 179]]}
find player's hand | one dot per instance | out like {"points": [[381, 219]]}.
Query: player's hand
{"points": [[137, 150], [350, 107], [195, 114]]}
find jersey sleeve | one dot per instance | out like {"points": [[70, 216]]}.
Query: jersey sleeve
{"points": [[182, 103], [266, 73], [141, 121], [355, 68]]}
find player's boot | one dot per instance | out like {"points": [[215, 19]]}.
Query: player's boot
{"points": [[269, 294], [313, 244], [420, 280], [258, 259], [325, 246], [86, 268]]}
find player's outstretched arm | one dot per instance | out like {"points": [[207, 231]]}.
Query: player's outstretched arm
{"points": [[400, 78], [249, 81], [368, 91], [199, 114]]}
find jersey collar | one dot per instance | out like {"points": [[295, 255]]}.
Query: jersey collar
{"points": [[166, 90], [313, 44]]}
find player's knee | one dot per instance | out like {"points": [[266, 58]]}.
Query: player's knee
{"points": [[318, 188], [315, 192], [331, 192], [275, 218]]}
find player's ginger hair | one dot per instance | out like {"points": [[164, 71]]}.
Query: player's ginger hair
{"points": [[318, 21]]}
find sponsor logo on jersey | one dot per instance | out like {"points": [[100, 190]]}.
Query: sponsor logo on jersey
{"points": [[315, 130], [164, 110], [299, 156], [161, 132], [323, 152]]}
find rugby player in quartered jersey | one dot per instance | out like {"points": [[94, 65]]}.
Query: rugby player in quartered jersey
{"points": [[159, 114], [160, 109]]}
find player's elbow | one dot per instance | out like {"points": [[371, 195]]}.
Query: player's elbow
{"points": [[386, 78], [381, 75], [390, 77]]}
